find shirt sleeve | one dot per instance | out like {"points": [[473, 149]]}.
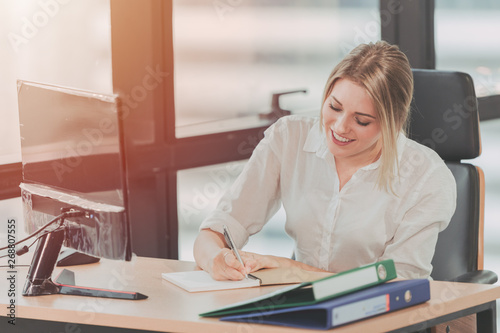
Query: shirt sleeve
{"points": [[255, 195], [413, 245]]}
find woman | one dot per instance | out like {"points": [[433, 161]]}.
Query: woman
{"points": [[355, 189]]}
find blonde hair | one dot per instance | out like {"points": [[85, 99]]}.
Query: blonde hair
{"points": [[385, 73]]}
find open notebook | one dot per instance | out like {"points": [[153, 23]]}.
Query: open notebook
{"points": [[194, 281]]}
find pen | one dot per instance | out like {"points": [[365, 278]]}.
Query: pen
{"points": [[230, 242]]}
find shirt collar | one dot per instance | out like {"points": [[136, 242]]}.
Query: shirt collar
{"points": [[316, 141]]}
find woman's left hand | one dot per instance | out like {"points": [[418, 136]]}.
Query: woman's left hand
{"points": [[254, 261]]}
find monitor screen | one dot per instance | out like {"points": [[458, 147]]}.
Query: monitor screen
{"points": [[73, 158]]}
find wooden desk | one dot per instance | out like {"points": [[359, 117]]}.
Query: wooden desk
{"points": [[171, 309]]}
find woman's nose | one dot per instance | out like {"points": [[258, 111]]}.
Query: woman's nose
{"points": [[341, 124]]}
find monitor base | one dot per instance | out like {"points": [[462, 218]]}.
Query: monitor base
{"points": [[39, 280]]}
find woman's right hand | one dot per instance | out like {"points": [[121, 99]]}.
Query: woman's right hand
{"points": [[213, 256], [225, 266]]}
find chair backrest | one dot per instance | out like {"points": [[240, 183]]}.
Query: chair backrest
{"points": [[445, 118]]}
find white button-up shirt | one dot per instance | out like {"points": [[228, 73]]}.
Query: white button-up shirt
{"points": [[338, 230]]}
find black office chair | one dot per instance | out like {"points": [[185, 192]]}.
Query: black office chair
{"points": [[445, 118]]}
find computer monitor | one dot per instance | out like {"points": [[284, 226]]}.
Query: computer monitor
{"points": [[73, 163]]}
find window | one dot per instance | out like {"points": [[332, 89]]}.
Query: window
{"points": [[465, 41], [231, 56]]}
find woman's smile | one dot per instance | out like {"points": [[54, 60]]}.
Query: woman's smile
{"points": [[340, 140]]}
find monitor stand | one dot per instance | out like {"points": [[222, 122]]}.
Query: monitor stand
{"points": [[39, 281]]}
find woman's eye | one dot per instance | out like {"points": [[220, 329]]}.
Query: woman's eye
{"points": [[362, 123], [334, 108]]}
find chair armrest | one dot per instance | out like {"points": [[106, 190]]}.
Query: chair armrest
{"points": [[481, 276]]}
